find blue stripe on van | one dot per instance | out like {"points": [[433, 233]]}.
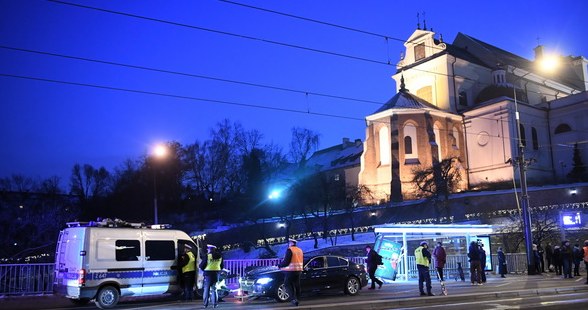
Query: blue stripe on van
{"points": [[129, 274]]}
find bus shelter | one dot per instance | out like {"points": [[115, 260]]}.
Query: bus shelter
{"points": [[395, 242]]}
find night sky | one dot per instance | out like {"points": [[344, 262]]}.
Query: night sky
{"points": [[98, 86]]}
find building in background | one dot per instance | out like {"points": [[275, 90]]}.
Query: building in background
{"points": [[458, 101]]}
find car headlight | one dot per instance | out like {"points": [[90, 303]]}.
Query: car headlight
{"points": [[263, 281]]}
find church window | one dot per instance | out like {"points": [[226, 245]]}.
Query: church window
{"points": [[535, 138], [455, 138], [410, 142], [437, 132], [522, 137], [384, 146], [419, 51], [561, 128]]}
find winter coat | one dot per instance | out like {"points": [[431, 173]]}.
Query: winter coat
{"points": [[502, 263], [440, 257]]}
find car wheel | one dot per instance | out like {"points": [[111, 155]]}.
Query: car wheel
{"points": [[282, 293], [107, 297], [80, 302], [352, 286]]}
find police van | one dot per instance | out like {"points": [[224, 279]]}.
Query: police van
{"points": [[104, 260]]}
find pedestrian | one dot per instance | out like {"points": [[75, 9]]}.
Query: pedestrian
{"points": [[557, 260], [549, 257], [212, 264], [585, 253], [578, 257], [536, 258], [541, 256], [423, 260], [501, 263], [567, 259], [474, 256], [372, 261], [291, 265], [482, 262], [187, 264], [440, 259]]}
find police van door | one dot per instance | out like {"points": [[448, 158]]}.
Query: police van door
{"points": [[158, 263]]}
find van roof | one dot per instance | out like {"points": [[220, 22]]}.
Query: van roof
{"points": [[116, 223]]}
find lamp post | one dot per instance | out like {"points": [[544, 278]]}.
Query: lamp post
{"points": [[522, 164], [160, 151]]}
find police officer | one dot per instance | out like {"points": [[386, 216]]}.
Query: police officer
{"points": [[291, 265], [188, 264], [423, 260], [211, 264]]}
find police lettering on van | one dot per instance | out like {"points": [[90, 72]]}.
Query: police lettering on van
{"points": [[105, 260]]}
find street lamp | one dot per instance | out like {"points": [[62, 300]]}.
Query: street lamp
{"points": [[546, 64], [275, 195], [160, 151]]}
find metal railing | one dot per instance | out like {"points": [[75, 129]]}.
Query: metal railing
{"points": [[37, 279], [26, 279]]}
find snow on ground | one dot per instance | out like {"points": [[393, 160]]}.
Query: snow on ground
{"points": [[306, 245]]}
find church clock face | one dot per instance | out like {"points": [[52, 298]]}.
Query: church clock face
{"points": [[483, 138]]}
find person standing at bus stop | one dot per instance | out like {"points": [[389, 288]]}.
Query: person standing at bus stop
{"points": [[423, 260], [440, 258]]}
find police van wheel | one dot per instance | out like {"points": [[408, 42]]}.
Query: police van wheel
{"points": [[80, 302], [107, 297], [282, 293]]}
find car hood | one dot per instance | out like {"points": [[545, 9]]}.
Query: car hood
{"points": [[262, 270]]}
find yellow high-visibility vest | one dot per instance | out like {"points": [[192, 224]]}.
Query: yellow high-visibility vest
{"points": [[191, 265], [213, 264]]}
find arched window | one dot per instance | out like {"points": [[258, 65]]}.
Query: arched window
{"points": [[410, 142], [437, 132], [384, 146], [455, 141], [522, 137], [561, 128], [535, 138]]}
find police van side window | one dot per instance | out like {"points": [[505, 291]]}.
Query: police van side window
{"points": [[160, 250], [127, 250]]}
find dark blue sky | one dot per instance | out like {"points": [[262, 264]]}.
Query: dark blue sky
{"points": [[46, 127]]}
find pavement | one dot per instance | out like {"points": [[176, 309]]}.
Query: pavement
{"points": [[392, 295]]}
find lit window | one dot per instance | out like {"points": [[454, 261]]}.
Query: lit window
{"points": [[384, 146], [410, 141]]}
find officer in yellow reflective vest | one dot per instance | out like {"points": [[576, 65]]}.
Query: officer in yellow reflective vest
{"points": [[423, 260], [292, 268], [211, 264], [188, 265]]}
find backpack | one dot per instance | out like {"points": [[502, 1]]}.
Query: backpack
{"points": [[379, 259]]}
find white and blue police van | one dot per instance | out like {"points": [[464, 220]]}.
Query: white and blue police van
{"points": [[104, 260]]}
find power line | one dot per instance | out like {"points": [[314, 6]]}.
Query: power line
{"points": [[178, 96], [304, 92], [220, 32]]}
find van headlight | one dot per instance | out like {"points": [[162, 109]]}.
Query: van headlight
{"points": [[263, 281]]}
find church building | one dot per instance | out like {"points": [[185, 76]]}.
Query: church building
{"points": [[462, 102]]}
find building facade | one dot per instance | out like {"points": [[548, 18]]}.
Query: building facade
{"points": [[460, 101]]}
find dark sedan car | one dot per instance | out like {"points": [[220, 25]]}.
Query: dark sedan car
{"points": [[325, 272]]}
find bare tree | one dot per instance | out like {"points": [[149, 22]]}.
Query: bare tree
{"points": [[438, 181], [87, 182], [304, 143]]}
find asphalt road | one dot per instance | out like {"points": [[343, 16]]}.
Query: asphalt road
{"points": [[514, 292]]}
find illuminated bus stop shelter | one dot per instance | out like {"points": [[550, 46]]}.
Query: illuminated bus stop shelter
{"points": [[392, 239]]}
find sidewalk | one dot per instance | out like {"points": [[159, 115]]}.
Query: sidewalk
{"points": [[393, 294]]}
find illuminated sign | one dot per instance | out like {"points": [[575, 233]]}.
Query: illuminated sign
{"points": [[571, 219]]}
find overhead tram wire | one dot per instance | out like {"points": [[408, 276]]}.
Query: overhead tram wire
{"points": [[144, 92], [245, 105], [387, 63], [220, 32], [304, 92]]}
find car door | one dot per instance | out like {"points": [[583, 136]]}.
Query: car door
{"points": [[336, 272], [315, 273]]}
